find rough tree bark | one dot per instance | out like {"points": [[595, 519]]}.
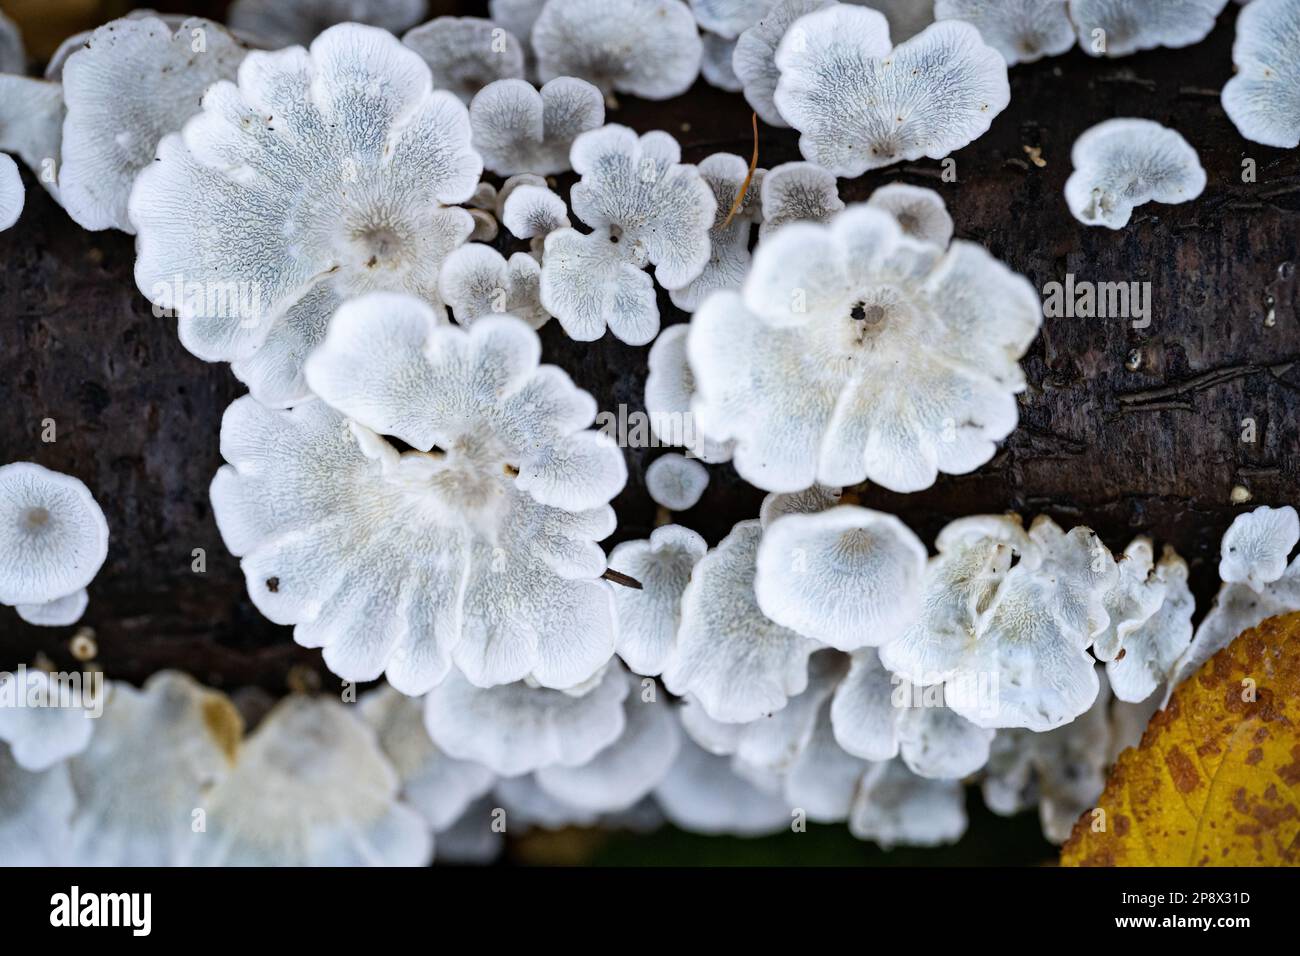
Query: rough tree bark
{"points": [[1154, 450]]}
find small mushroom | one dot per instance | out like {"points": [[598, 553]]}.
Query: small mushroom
{"points": [[534, 212], [476, 280], [1120, 27], [1152, 648], [281, 23], [466, 54], [798, 192], [1256, 546], [518, 129], [42, 721], [1263, 96], [920, 212], [1023, 31], [676, 482], [716, 63], [669, 388], [12, 192], [895, 807], [649, 616]]}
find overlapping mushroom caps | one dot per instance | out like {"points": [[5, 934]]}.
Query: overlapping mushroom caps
{"points": [[860, 103], [649, 616], [736, 213], [1263, 97], [323, 174], [1123, 163], [53, 541], [855, 352], [35, 814], [647, 208], [669, 391], [518, 129], [477, 547], [44, 719], [465, 54], [133, 81], [476, 280], [279, 23], [1021, 30], [646, 48], [1121, 27]]}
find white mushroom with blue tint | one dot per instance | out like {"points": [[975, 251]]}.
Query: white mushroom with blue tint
{"points": [[53, 541], [518, 129], [12, 193], [649, 616], [1152, 648], [737, 211], [798, 192], [46, 718], [322, 175], [1263, 98], [1021, 30], [476, 280], [860, 103], [1121, 27], [279, 23], [669, 389], [675, 482], [406, 563], [465, 54], [1123, 163]]}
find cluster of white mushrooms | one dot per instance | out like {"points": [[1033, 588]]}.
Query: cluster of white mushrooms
{"points": [[413, 490]]}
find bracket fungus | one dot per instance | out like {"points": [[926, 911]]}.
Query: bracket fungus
{"points": [[1263, 98], [646, 48], [860, 103], [281, 23], [408, 562], [1122, 163], [134, 80], [323, 174], [1021, 30], [814, 367], [53, 541], [465, 54], [647, 208], [1151, 648], [518, 129]]}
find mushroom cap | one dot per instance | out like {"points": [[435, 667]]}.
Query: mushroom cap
{"points": [[676, 482], [848, 577], [728, 262], [322, 175], [533, 212], [895, 807], [12, 192], [281, 23], [1123, 163], [465, 54], [754, 60], [798, 192], [649, 616], [1152, 648], [407, 563], [440, 788], [311, 788], [476, 280], [920, 212], [34, 812], [590, 285], [669, 388], [784, 368], [53, 536], [1133, 25], [518, 129], [43, 720], [716, 63], [1023, 31], [155, 755], [861, 104], [57, 613], [31, 125], [703, 794], [526, 805], [134, 80], [728, 18], [13, 57], [1256, 546], [1137, 594], [823, 779], [621, 774], [734, 660], [646, 48], [1263, 97], [518, 728]]}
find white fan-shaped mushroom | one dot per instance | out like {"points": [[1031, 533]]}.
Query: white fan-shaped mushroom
{"points": [[735, 661], [1263, 98], [440, 788], [1138, 593], [53, 538], [1256, 546], [322, 175], [629, 768], [518, 129], [465, 54], [648, 616], [12, 193], [729, 236], [646, 48], [669, 388], [895, 807], [13, 58], [810, 501], [1021, 30], [1009, 641], [476, 280], [517, 728], [920, 212], [754, 60], [1121, 27], [703, 794], [716, 63], [676, 482], [1152, 648], [534, 212], [860, 104], [527, 805], [816, 368], [798, 192], [823, 779], [646, 207], [35, 810], [728, 18], [154, 758], [1122, 163], [876, 716], [45, 719], [133, 81], [477, 547], [848, 577], [311, 788], [57, 613], [281, 23], [517, 16], [31, 125]]}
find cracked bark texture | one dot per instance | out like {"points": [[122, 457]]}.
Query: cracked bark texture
{"points": [[1154, 450]]}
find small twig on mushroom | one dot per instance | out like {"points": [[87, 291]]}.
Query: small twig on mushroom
{"points": [[617, 577], [749, 177]]}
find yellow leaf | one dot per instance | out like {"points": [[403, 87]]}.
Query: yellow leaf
{"points": [[1216, 780]]}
